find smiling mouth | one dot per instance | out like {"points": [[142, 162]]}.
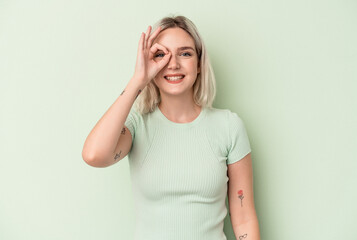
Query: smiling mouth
{"points": [[176, 78], [175, 81]]}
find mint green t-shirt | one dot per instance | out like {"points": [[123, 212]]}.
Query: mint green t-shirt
{"points": [[179, 172]]}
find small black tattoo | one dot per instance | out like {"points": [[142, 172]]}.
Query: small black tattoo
{"points": [[123, 131], [240, 195], [122, 92], [117, 155], [138, 93], [243, 236]]}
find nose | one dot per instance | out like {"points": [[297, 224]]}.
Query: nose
{"points": [[173, 63]]}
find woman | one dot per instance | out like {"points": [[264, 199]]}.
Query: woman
{"points": [[181, 150]]}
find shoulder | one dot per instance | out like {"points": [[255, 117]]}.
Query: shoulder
{"points": [[222, 120], [213, 112], [223, 114], [134, 120], [227, 121], [218, 131], [137, 116]]}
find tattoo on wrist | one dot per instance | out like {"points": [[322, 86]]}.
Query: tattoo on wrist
{"points": [[240, 195], [138, 93], [117, 155], [242, 236], [123, 131]]}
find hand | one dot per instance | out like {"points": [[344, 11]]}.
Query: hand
{"points": [[146, 67]]}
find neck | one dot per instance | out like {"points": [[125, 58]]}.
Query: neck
{"points": [[181, 109]]}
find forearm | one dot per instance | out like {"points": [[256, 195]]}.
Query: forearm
{"points": [[248, 230], [103, 138]]}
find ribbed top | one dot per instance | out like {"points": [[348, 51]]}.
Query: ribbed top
{"points": [[179, 173]]}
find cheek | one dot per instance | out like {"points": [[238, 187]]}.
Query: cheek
{"points": [[192, 64]]}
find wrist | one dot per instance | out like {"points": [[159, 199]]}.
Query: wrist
{"points": [[135, 83]]}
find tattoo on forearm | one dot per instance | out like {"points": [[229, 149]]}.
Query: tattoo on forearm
{"points": [[117, 155], [138, 93], [123, 131], [240, 195], [242, 236]]}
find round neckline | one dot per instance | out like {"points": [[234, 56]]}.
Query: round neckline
{"points": [[181, 125]]}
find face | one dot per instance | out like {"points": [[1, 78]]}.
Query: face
{"points": [[183, 61]]}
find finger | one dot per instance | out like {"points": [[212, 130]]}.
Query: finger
{"points": [[141, 45], [153, 36], [141, 41], [147, 36], [156, 47]]}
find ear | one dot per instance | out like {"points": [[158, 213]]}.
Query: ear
{"points": [[199, 68]]}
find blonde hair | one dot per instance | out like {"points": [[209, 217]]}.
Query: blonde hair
{"points": [[204, 88]]}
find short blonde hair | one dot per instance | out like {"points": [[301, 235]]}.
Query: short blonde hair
{"points": [[204, 88]]}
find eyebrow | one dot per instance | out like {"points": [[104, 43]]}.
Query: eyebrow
{"points": [[185, 47]]}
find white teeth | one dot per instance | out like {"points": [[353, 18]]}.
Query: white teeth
{"points": [[174, 78]]}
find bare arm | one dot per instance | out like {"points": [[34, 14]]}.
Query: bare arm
{"points": [[104, 145], [241, 200], [100, 147]]}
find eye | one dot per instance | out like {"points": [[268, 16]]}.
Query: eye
{"points": [[159, 54], [189, 54]]}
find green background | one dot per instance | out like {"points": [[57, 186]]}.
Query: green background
{"points": [[288, 68]]}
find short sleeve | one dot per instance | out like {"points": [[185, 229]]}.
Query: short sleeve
{"points": [[239, 145], [132, 122]]}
